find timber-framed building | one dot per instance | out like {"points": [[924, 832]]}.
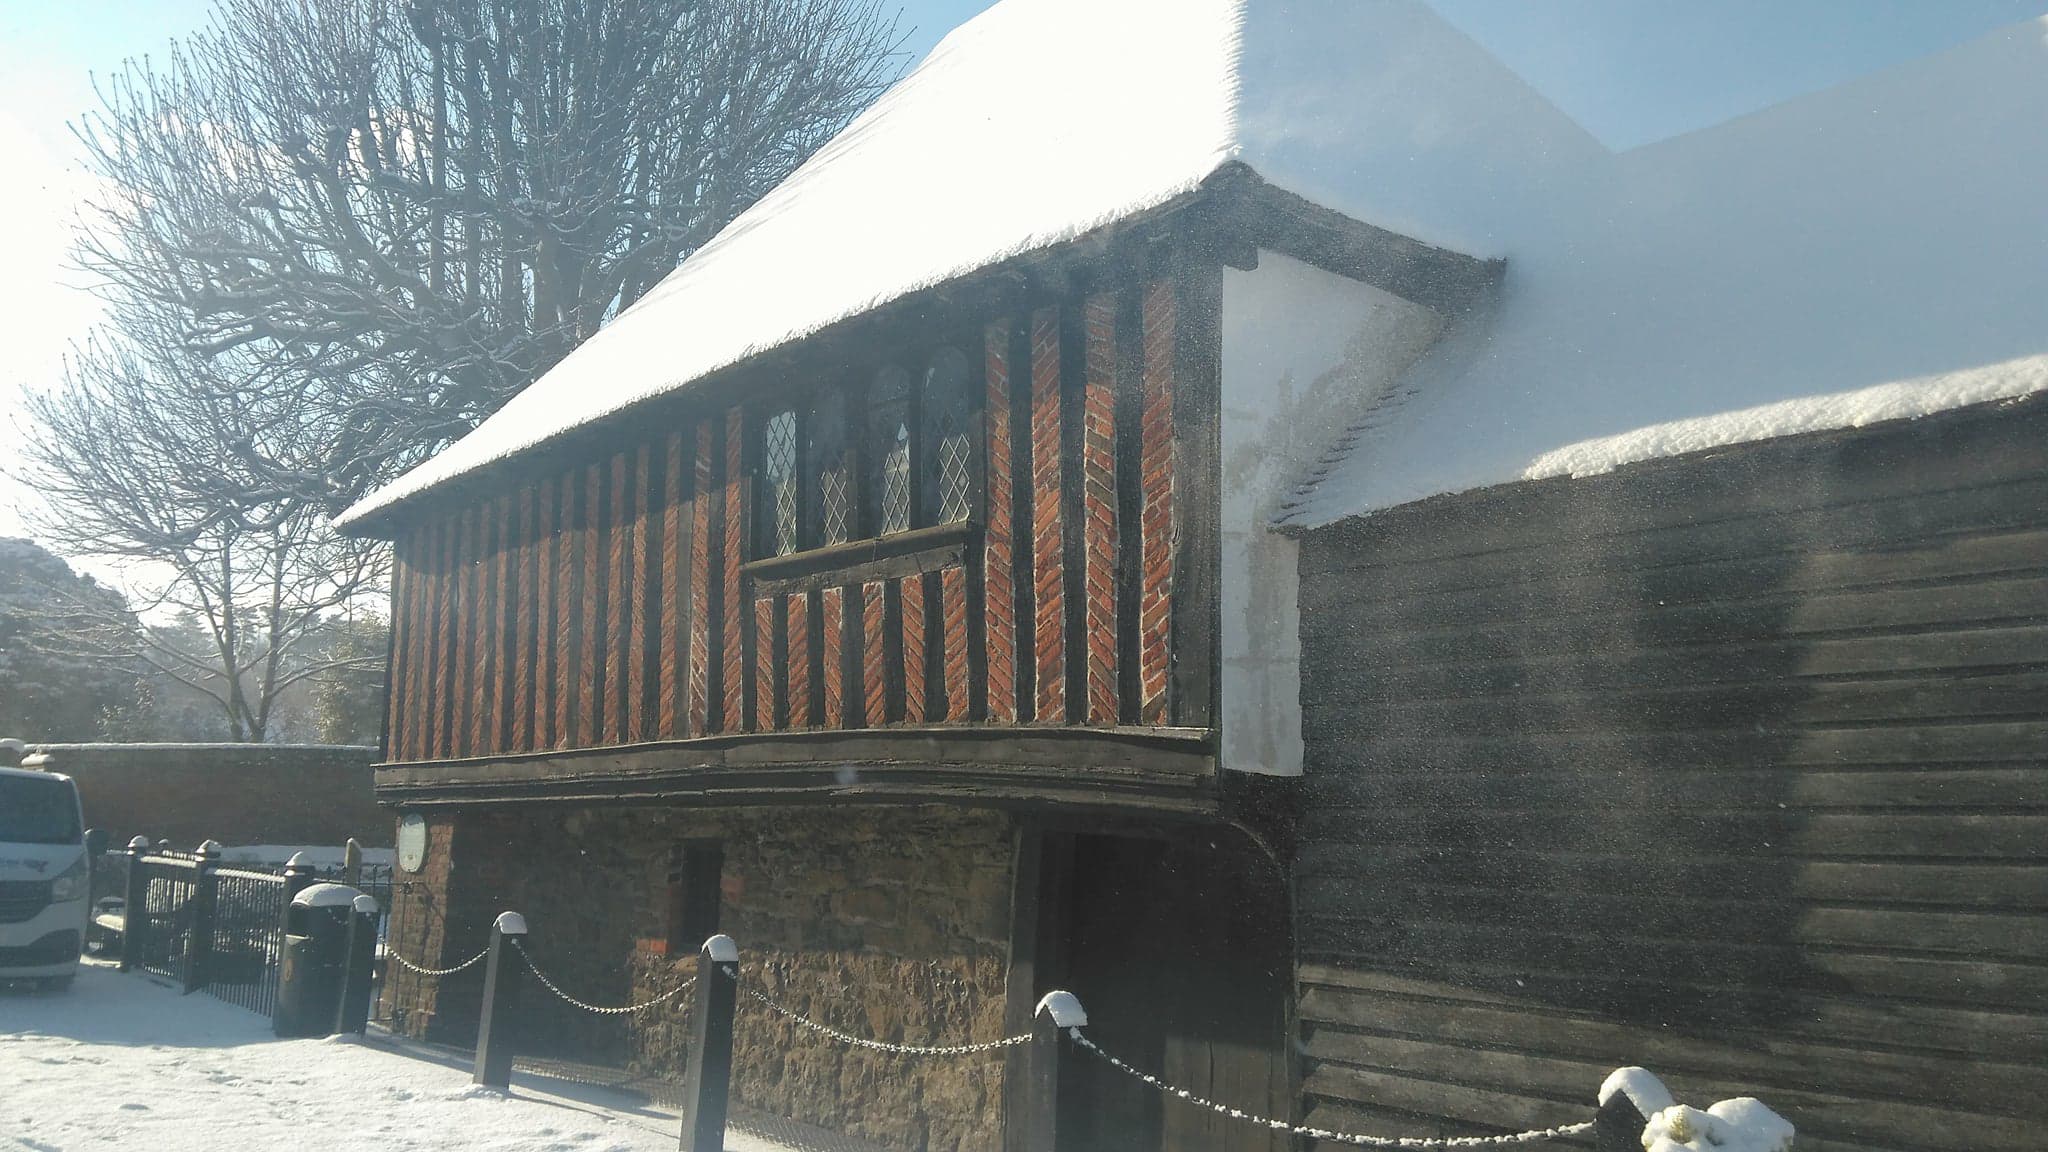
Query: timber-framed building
{"points": [[1245, 512]]}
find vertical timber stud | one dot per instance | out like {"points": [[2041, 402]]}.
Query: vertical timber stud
{"points": [[1196, 609], [622, 522], [524, 617], [1056, 1013], [1024, 969], [507, 620], [469, 576], [1129, 441], [547, 562], [394, 660], [135, 921], [644, 586], [496, 1031], [199, 934], [590, 610], [709, 1079]]}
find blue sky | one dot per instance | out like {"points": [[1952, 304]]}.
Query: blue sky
{"points": [[1630, 71]]}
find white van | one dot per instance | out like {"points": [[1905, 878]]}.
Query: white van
{"points": [[45, 877]]}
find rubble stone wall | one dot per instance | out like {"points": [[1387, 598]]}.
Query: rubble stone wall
{"points": [[884, 922]]}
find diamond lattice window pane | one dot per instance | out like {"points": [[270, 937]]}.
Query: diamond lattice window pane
{"points": [[779, 451], [955, 478], [949, 463], [896, 482], [831, 497], [833, 506]]}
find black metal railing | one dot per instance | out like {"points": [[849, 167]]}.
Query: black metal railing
{"points": [[169, 884], [247, 941], [187, 918]]}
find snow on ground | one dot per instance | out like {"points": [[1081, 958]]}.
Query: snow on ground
{"points": [[121, 1062]]}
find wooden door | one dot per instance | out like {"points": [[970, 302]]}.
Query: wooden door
{"points": [[1179, 950]]}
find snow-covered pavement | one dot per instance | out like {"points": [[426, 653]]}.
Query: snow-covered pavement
{"points": [[120, 1062]]}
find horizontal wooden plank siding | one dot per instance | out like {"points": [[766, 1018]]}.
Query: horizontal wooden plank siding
{"points": [[1734, 767]]}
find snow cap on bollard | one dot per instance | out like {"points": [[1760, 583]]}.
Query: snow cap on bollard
{"points": [[1642, 1088], [210, 849], [326, 896], [139, 844], [510, 924], [1065, 1009], [722, 950], [299, 860], [366, 905]]}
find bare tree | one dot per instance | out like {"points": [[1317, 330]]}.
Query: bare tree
{"points": [[140, 455], [409, 209]]}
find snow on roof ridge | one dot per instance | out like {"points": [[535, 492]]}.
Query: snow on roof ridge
{"points": [[1864, 252], [1894, 401], [863, 222]]}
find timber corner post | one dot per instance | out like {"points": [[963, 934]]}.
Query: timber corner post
{"points": [[709, 1082], [135, 905], [496, 1030], [199, 937], [1056, 1013]]}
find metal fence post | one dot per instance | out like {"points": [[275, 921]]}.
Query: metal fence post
{"points": [[496, 1031], [1056, 1013], [199, 937], [709, 1081], [135, 901], [299, 875]]}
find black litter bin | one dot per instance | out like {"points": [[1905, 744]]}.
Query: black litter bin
{"points": [[309, 983]]}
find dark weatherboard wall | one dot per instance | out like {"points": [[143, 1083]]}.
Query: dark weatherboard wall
{"points": [[1734, 766]]}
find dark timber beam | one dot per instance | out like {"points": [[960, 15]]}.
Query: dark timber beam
{"points": [[1251, 212], [1167, 771]]}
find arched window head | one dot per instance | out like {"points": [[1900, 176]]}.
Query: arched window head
{"points": [[779, 496], [889, 420], [831, 492], [949, 437]]}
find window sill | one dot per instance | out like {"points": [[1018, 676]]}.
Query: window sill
{"points": [[915, 550]]}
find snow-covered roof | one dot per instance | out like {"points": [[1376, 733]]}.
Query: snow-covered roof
{"points": [[1040, 121], [1876, 251]]}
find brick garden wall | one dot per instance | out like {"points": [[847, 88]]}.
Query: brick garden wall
{"points": [[886, 922], [235, 793]]}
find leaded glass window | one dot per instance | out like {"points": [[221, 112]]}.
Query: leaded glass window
{"points": [[889, 421], [779, 496], [949, 437], [831, 517]]}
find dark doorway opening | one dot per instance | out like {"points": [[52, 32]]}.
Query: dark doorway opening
{"points": [[1179, 948]]}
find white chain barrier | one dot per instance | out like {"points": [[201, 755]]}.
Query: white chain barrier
{"points": [[412, 967], [1323, 1133], [879, 1046], [621, 1010]]}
